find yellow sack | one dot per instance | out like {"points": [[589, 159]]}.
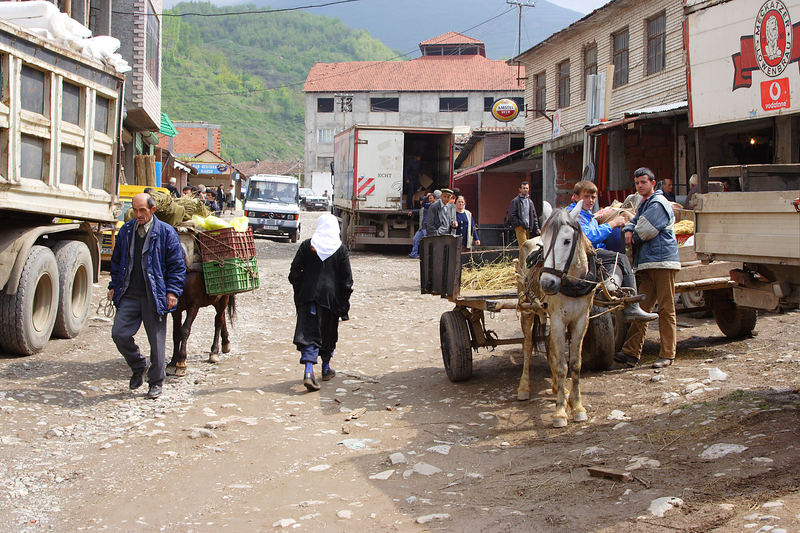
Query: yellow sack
{"points": [[684, 227], [210, 222], [239, 224]]}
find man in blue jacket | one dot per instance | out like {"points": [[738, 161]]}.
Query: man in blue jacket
{"points": [[656, 260], [147, 275], [616, 264]]}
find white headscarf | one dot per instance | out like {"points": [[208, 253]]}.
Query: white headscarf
{"points": [[326, 237]]}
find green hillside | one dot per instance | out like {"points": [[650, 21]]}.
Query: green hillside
{"points": [[246, 72]]}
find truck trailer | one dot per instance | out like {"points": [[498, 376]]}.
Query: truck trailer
{"points": [[59, 131], [370, 164]]}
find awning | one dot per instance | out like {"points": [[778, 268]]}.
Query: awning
{"points": [[524, 159], [667, 110], [167, 128]]}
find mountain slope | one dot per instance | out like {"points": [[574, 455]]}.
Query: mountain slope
{"points": [[246, 72]]}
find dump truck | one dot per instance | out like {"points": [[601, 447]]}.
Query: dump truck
{"points": [[743, 78], [59, 131], [369, 165]]}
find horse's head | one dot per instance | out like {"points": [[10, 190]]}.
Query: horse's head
{"points": [[564, 250]]}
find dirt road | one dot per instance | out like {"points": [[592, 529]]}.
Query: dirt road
{"points": [[711, 442]]}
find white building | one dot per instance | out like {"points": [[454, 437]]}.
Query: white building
{"points": [[452, 85]]}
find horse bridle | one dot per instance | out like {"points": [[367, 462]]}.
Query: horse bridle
{"points": [[560, 274], [570, 285]]}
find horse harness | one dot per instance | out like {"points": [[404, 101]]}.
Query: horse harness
{"points": [[570, 285]]}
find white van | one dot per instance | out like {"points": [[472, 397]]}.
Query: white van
{"points": [[271, 205]]}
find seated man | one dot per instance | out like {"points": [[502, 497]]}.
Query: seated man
{"points": [[616, 264]]}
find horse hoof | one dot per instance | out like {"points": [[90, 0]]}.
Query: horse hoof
{"points": [[581, 416], [213, 358], [226, 348], [171, 370], [559, 422], [523, 396], [180, 372]]}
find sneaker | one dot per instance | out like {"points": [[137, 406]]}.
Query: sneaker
{"points": [[327, 374], [661, 363], [310, 382], [626, 359], [154, 392], [136, 380]]}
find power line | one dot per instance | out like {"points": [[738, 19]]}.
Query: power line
{"points": [[370, 64], [232, 13]]}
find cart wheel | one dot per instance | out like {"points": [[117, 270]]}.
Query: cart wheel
{"points": [[691, 299], [620, 329], [456, 346], [734, 321], [598, 344]]}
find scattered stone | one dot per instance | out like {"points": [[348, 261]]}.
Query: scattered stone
{"points": [[772, 504], [640, 462], [609, 473], [319, 468], [485, 415], [691, 387], [620, 425], [284, 522], [214, 424], [442, 449], [715, 451], [345, 514], [355, 444], [616, 414], [355, 413], [196, 433], [726, 506], [386, 474], [431, 517], [658, 377], [397, 458], [425, 469], [669, 397], [715, 374], [659, 506], [762, 460]]}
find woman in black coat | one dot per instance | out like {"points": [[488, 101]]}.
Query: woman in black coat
{"points": [[322, 281]]}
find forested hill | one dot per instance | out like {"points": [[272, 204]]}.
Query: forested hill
{"points": [[246, 72]]}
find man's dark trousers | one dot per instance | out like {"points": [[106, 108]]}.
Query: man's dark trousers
{"points": [[131, 313]]}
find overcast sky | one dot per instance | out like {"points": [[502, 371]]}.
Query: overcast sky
{"points": [[584, 6]]}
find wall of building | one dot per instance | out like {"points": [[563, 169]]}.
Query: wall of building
{"points": [[193, 138], [664, 87], [416, 109]]}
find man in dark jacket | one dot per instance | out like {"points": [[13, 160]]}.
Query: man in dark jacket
{"points": [[147, 275], [322, 281], [522, 215]]}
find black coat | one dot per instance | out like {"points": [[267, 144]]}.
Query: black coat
{"points": [[515, 220], [327, 283]]}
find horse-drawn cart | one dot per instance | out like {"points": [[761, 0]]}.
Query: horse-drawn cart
{"points": [[463, 329]]}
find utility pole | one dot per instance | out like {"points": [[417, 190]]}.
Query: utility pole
{"points": [[520, 4]]}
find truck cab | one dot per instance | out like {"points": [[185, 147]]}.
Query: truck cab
{"points": [[272, 205]]}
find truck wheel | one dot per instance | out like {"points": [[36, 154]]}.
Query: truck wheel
{"points": [[620, 329], [75, 288], [456, 346], [343, 228], [27, 318], [598, 344], [734, 321], [293, 236]]}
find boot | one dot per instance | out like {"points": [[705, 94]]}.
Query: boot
{"points": [[633, 312]]}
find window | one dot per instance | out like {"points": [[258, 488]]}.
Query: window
{"points": [[33, 89], [563, 84], [520, 101], [71, 105], [325, 135], [101, 111], [71, 166], [33, 162], [324, 105], [488, 102], [656, 43], [153, 44], [589, 64], [100, 164], [449, 105], [540, 94], [384, 104], [619, 53]]}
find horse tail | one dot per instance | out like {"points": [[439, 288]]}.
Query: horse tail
{"points": [[231, 308]]}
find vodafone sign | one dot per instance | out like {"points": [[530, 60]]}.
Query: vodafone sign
{"points": [[775, 94], [505, 110]]}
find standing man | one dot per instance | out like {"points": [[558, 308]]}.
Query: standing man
{"points": [[522, 215], [173, 190], [423, 222], [655, 258], [147, 275], [439, 220], [411, 177]]}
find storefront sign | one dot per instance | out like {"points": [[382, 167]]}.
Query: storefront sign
{"points": [[211, 168], [505, 110], [557, 123], [775, 94]]}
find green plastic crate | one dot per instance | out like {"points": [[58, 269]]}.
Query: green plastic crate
{"points": [[230, 276]]}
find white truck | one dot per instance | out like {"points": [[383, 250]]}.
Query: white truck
{"points": [[744, 81], [59, 131], [271, 205], [368, 172]]}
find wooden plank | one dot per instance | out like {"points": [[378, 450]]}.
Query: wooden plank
{"points": [[745, 202], [752, 245], [608, 473], [717, 269], [734, 171]]}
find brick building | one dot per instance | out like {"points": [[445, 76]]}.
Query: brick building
{"points": [[192, 138]]}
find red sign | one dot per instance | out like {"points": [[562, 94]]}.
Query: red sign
{"points": [[505, 110], [775, 94]]}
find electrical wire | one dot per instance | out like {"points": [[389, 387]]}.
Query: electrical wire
{"points": [[232, 13]]}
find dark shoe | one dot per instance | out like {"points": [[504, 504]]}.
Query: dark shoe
{"points": [[136, 380], [327, 375], [661, 363], [626, 359], [154, 392], [634, 312], [309, 381]]}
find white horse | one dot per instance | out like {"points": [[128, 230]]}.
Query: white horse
{"points": [[563, 284]]}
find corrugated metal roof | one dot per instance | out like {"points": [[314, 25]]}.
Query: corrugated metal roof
{"points": [[167, 128], [426, 73], [487, 163]]}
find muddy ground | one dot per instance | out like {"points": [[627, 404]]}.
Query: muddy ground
{"points": [[241, 446]]}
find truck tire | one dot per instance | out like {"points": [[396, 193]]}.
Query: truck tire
{"points": [[75, 288], [293, 236], [456, 346], [27, 318], [734, 321], [598, 344], [343, 228]]}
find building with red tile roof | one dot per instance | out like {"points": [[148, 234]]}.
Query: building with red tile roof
{"points": [[452, 85]]}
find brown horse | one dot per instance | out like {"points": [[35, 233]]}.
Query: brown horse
{"points": [[193, 298]]}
